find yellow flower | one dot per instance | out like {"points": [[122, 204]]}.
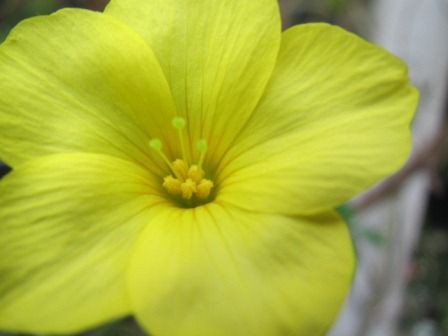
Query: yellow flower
{"points": [[181, 160]]}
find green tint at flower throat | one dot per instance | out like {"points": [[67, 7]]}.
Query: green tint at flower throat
{"points": [[187, 184]]}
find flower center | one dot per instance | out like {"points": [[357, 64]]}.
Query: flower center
{"points": [[187, 180]]}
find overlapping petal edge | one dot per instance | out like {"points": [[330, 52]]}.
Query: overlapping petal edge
{"points": [[83, 218]]}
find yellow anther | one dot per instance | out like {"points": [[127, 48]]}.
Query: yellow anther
{"points": [[188, 188], [203, 189], [180, 168], [173, 185], [195, 173]]}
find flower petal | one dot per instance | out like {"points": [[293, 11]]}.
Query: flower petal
{"points": [[334, 120], [218, 270], [217, 56], [79, 81], [68, 223]]}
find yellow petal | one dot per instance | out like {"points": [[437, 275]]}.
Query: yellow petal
{"points": [[68, 223], [217, 56], [334, 120], [79, 81], [218, 270]]}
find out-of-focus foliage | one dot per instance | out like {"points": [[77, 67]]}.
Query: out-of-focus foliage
{"points": [[126, 327], [350, 14], [13, 11], [426, 309], [358, 232], [426, 305]]}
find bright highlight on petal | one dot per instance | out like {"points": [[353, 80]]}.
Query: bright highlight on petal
{"points": [[222, 271]]}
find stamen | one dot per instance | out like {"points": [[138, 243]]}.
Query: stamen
{"points": [[157, 145], [203, 189], [187, 180], [195, 173], [188, 188], [179, 124], [173, 185], [181, 168], [202, 147]]}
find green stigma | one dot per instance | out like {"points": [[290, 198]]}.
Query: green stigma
{"points": [[202, 145], [156, 144], [178, 122]]}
